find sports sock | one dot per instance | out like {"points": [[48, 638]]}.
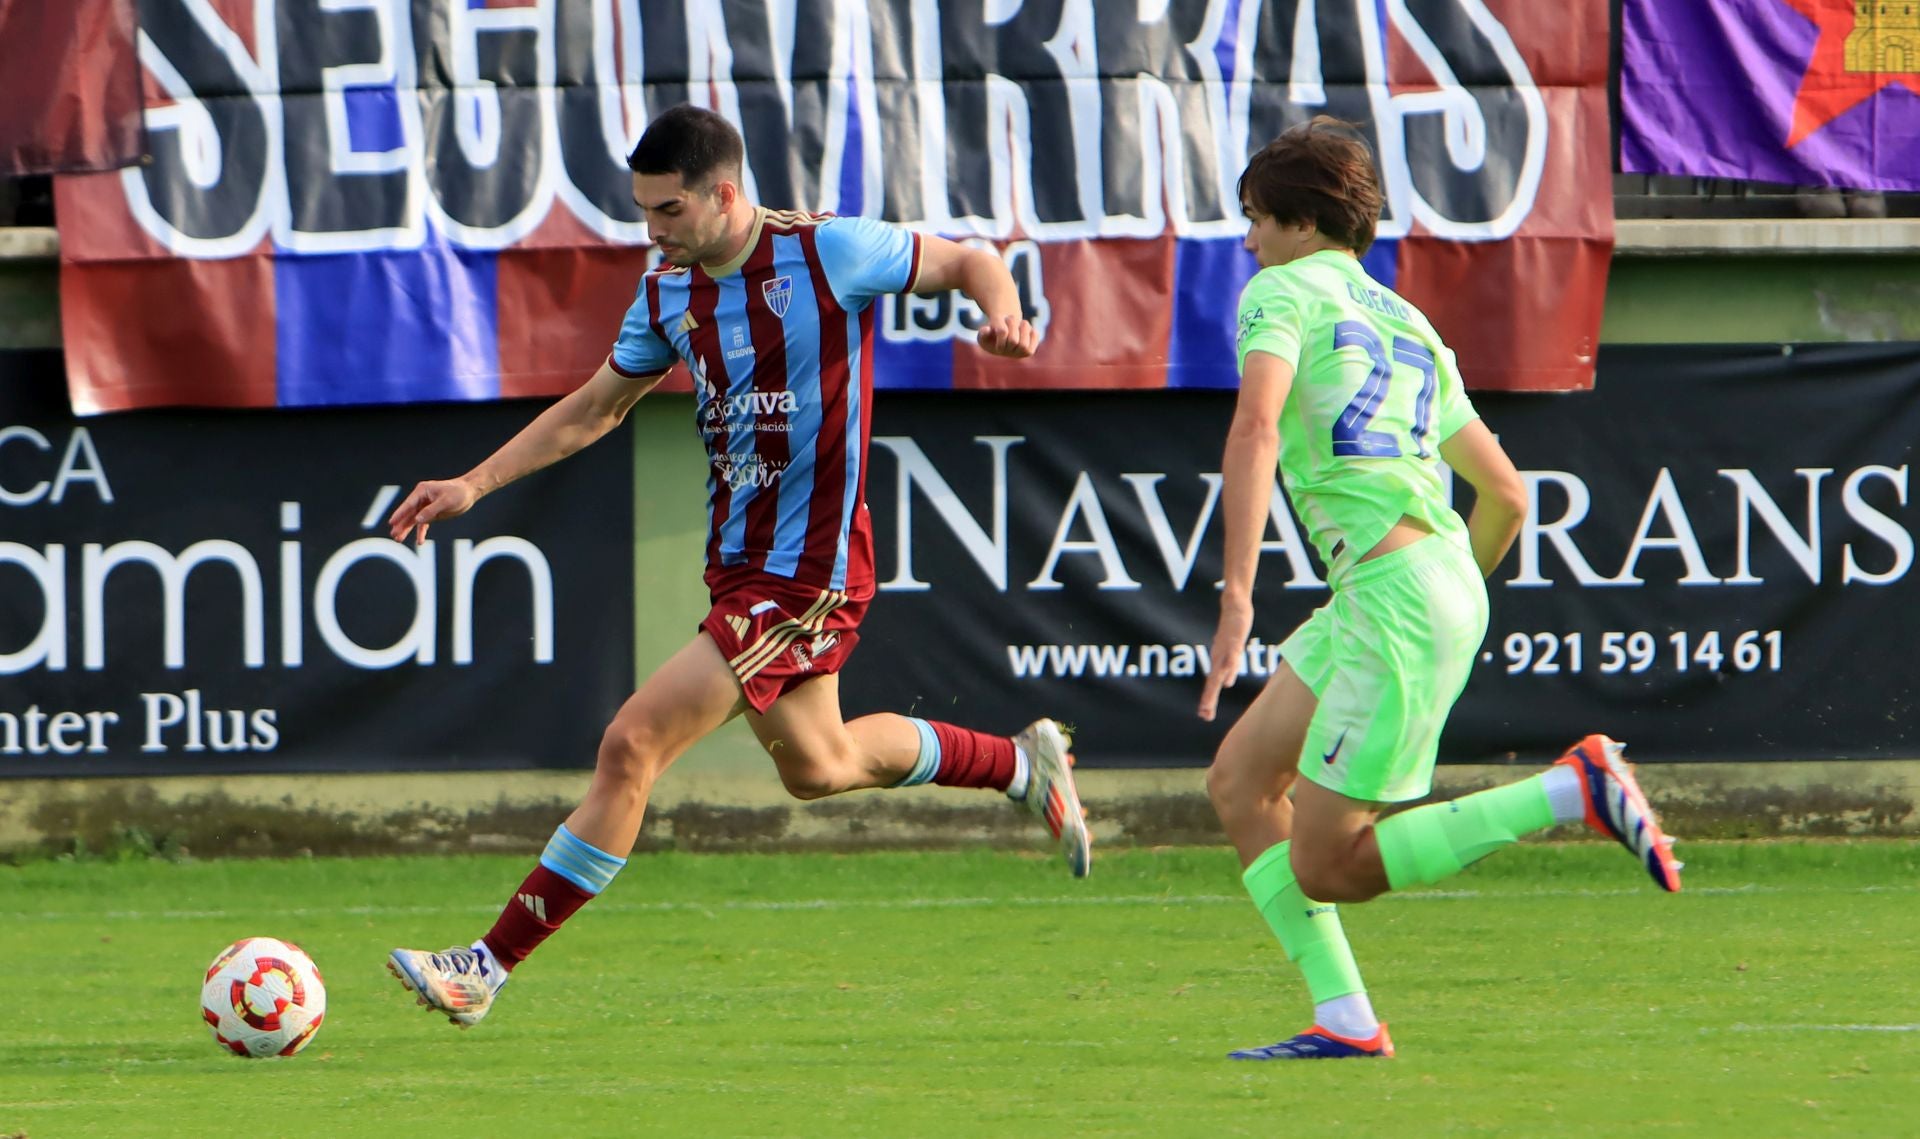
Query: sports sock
{"points": [[490, 967], [1311, 934], [1432, 843], [1350, 1016], [1564, 793], [570, 874], [960, 757], [1022, 774]]}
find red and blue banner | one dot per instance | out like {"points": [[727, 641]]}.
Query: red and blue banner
{"points": [[1802, 92], [388, 201], [72, 87]]}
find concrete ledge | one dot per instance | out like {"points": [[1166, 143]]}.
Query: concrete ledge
{"points": [[1633, 237], [29, 244], [278, 816], [1684, 237]]}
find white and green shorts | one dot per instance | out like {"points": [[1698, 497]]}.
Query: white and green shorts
{"points": [[1387, 656]]}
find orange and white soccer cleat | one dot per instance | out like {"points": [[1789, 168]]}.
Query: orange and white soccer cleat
{"points": [[1617, 808], [1317, 1043]]}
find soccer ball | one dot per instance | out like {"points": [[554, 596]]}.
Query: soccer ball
{"points": [[263, 997]]}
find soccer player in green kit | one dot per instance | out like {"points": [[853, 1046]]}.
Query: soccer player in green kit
{"points": [[1350, 390]]}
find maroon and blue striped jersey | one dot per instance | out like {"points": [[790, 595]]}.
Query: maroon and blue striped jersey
{"points": [[780, 345]]}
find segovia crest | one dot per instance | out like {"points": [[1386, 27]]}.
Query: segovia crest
{"points": [[779, 294]]}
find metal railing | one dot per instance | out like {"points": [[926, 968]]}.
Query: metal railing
{"points": [[1638, 196]]}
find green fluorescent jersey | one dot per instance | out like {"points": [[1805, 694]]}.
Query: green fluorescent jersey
{"points": [[1374, 393]]}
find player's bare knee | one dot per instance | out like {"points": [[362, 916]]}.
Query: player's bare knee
{"points": [[1230, 777], [810, 781], [1235, 787], [630, 755], [814, 768], [1353, 888], [1319, 874], [1318, 882], [1225, 788], [1325, 878]]}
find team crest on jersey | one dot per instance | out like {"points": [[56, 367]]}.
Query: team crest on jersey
{"points": [[779, 294], [1249, 320], [806, 652]]}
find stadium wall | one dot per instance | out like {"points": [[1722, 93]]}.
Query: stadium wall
{"points": [[1805, 282]]}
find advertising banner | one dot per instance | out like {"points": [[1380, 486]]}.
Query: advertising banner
{"points": [[360, 202], [1717, 566], [207, 592]]}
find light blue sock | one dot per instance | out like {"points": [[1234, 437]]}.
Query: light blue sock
{"points": [[927, 763], [581, 863]]}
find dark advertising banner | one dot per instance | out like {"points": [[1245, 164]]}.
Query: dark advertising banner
{"points": [[1718, 565], [215, 592]]}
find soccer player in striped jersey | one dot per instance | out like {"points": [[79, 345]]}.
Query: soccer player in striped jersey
{"points": [[772, 313], [1348, 388]]}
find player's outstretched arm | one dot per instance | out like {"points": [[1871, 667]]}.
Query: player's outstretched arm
{"points": [[576, 420], [984, 278], [1246, 470], [1499, 493]]}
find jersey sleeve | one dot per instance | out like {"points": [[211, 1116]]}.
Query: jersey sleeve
{"points": [[640, 352], [1455, 410], [1270, 320], [864, 259]]}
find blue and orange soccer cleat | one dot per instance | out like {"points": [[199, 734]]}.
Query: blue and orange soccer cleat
{"points": [[1317, 1043], [1052, 795], [1617, 808]]}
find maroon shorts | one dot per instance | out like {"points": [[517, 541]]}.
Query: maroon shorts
{"points": [[777, 634]]}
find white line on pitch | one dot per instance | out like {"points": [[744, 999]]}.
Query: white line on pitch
{"points": [[1817, 1028]]}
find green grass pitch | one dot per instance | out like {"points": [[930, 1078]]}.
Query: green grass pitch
{"points": [[1550, 991]]}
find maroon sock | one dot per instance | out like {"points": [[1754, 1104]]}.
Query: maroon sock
{"points": [[971, 759], [543, 901]]}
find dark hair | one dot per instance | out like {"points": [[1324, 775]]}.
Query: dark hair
{"points": [[1319, 171], [689, 141]]}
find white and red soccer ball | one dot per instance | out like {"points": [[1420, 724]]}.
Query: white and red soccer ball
{"points": [[263, 997]]}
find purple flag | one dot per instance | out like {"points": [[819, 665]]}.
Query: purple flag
{"points": [[1803, 92]]}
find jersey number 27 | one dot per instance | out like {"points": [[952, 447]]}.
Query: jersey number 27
{"points": [[1352, 433]]}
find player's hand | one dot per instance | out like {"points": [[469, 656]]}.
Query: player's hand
{"points": [[430, 501], [1009, 336], [1229, 641]]}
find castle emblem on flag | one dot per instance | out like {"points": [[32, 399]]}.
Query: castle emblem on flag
{"points": [[1881, 40], [779, 294]]}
